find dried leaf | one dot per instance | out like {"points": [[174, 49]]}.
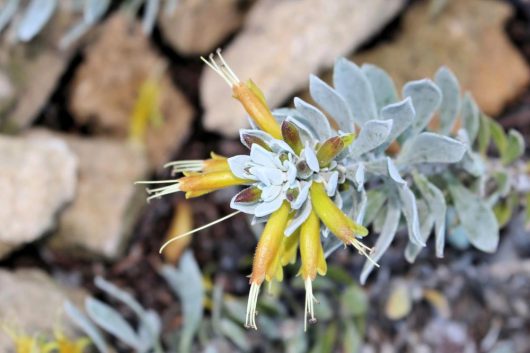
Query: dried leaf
{"points": [[181, 223], [399, 302]]}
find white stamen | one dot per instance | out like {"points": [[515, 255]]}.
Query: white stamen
{"points": [[222, 69], [157, 181], [250, 320], [165, 190], [363, 250], [310, 301], [177, 237]]}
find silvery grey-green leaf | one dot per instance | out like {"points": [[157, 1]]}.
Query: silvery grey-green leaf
{"points": [[429, 147], [435, 202], [382, 85], [402, 114], [186, 282], [373, 134], [450, 106], [332, 102], [35, 17], [384, 239], [476, 218], [470, 115], [426, 98], [314, 118], [111, 321], [88, 328], [350, 81]]}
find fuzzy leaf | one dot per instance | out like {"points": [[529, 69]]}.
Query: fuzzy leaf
{"points": [[484, 134], [402, 114], [350, 81], [36, 16], [514, 147], [435, 200], [332, 102], [150, 13], [186, 283], [426, 224], [470, 116], [94, 10], [382, 85], [429, 147], [450, 106], [111, 321], [235, 333], [313, 118], [85, 325], [477, 219], [426, 98], [8, 10], [373, 134], [376, 199], [388, 232], [410, 211]]}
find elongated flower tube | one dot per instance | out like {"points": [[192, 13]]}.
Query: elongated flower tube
{"points": [[339, 224], [313, 262], [293, 176], [248, 94], [266, 265]]}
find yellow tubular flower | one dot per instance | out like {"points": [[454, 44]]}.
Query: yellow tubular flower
{"points": [[264, 266], [195, 184], [338, 223], [313, 262], [249, 95]]}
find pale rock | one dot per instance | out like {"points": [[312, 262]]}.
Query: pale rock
{"points": [[197, 26], [32, 303], [99, 221], [37, 179], [282, 42], [107, 85], [469, 37], [33, 69]]}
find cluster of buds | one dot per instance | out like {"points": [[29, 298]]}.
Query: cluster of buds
{"points": [[292, 178]]}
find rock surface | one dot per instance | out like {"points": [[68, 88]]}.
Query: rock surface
{"points": [[469, 37], [99, 220], [33, 70], [107, 86], [31, 302], [282, 43], [37, 178], [197, 26]]}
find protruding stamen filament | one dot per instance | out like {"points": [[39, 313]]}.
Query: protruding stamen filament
{"points": [[179, 236], [309, 308], [222, 68], [250, 320], [339, 224]]}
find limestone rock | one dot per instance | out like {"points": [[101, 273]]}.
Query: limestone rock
{"points": [[282, 42], [33, 70], [197, 26], [468, 36], [107, 86], [31, 302], [100, 218], [37, 178]]}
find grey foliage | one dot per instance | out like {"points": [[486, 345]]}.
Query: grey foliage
{"points": [[435, 169], [37, 14]]}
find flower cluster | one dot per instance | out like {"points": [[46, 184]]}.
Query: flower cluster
{"points": [[411, 162], [25, 343], [292, 177]]}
